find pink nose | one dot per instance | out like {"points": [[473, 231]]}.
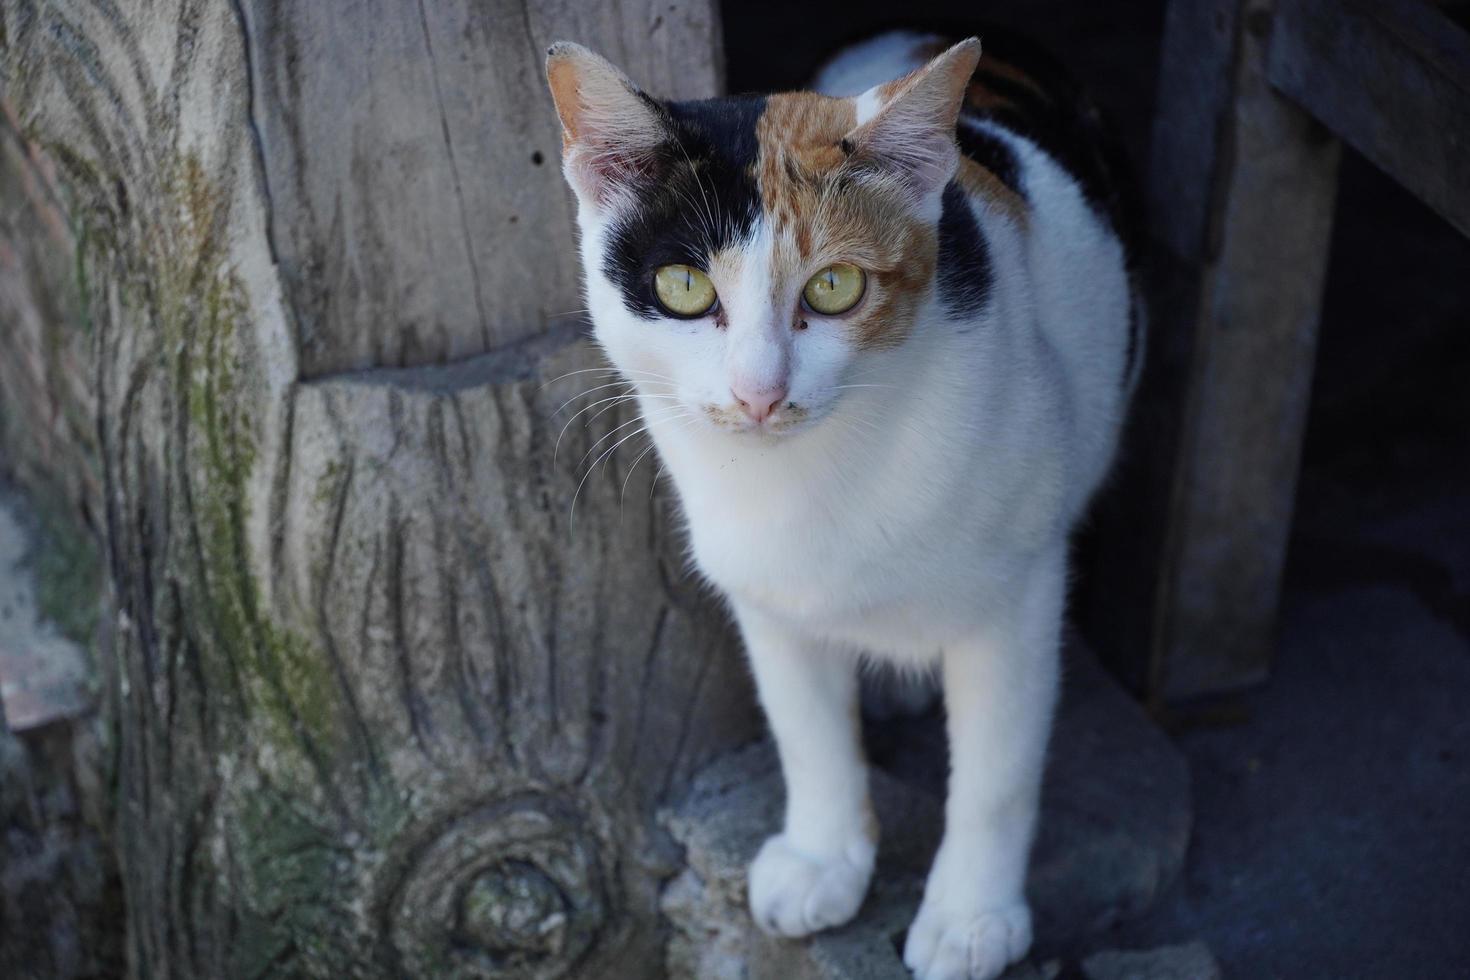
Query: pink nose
{"points": [[759, 403]]}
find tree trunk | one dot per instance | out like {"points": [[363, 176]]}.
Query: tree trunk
{"points": [[383, 707]]}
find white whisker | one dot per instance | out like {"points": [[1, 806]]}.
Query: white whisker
{"points": [[625, 372], [615, 399], [581, 394], [572, 516], [672, 398], [623, 425], [624, 493]]}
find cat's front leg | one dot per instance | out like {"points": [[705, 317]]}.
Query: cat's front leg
{"points": [[814, 874], [1000, 691]]}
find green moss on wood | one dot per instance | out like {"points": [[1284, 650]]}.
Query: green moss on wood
{"points": [[68, 566], [286, 835], [201, 309]]}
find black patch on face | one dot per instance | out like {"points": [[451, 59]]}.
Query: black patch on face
{"points": [[699, 196], [964, 258]]}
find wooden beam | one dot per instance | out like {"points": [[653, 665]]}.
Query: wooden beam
{"points": [[1242, 186], [1392, 79]]}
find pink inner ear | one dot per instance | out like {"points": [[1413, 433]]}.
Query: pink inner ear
{"points": [[912, 136], [609, 131], [605, 170], [924, 158]]}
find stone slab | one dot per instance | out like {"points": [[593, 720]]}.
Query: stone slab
{"points": [[43, 675], [1187, 961], [1115, 824]]}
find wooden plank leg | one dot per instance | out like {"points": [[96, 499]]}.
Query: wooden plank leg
{"points": [[1242, 187]]}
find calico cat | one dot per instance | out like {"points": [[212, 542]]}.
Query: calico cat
{"points": [[883, 336]]}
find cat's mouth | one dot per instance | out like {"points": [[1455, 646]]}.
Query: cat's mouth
{"points": [[785, 420]]}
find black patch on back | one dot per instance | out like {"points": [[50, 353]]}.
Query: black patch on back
{"points": [[1068, 126], [1063, 121], [964, 258], [700, 196], [991, 152]]}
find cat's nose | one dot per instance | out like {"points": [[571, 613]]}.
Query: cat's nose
{"points": [[759, 402]]}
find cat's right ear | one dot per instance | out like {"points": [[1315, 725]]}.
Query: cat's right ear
{"points": [[911, 136], [611, 131]]}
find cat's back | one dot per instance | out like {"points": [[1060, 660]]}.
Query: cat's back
{"points": [[1048, 184]]}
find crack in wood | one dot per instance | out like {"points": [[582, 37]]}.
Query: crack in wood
{"points": [[322, 587], [464, 220], [420, 721], [518, 360]]}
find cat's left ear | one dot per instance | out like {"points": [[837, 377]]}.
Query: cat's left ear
{"points": [[911, 136], [611, 130]]}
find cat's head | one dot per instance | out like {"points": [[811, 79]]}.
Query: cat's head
{"points": [[743, 254]]}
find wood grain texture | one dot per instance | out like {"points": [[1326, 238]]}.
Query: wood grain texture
{"points": [[1392, 79], [381, 709], [412, 162], [1191, 126], [47, 406]]}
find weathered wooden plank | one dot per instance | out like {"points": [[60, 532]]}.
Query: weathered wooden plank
{"points": [[1125, 546], [1248, 390], [1392, 79], [1191, 120], [418, 213], [1197, 524]]}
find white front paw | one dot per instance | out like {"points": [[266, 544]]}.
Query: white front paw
{"points": [[793, 893], [953, 943]]}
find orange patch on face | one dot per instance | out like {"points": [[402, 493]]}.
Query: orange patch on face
{"points": [[819, 215], [800, 136]]}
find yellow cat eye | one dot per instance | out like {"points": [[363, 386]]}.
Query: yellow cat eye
{"points": [[836, 289], [683, 290]]}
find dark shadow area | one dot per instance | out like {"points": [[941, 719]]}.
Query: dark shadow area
{"points": [[1110, 47], [1330, 815]]}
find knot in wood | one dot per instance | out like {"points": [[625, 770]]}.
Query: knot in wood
{"points": [[511, 888], [515, 906]]}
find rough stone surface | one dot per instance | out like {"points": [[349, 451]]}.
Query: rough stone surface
{"points": [[58, 903], [1188, 961], [1115, 824], [44, 676]]}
